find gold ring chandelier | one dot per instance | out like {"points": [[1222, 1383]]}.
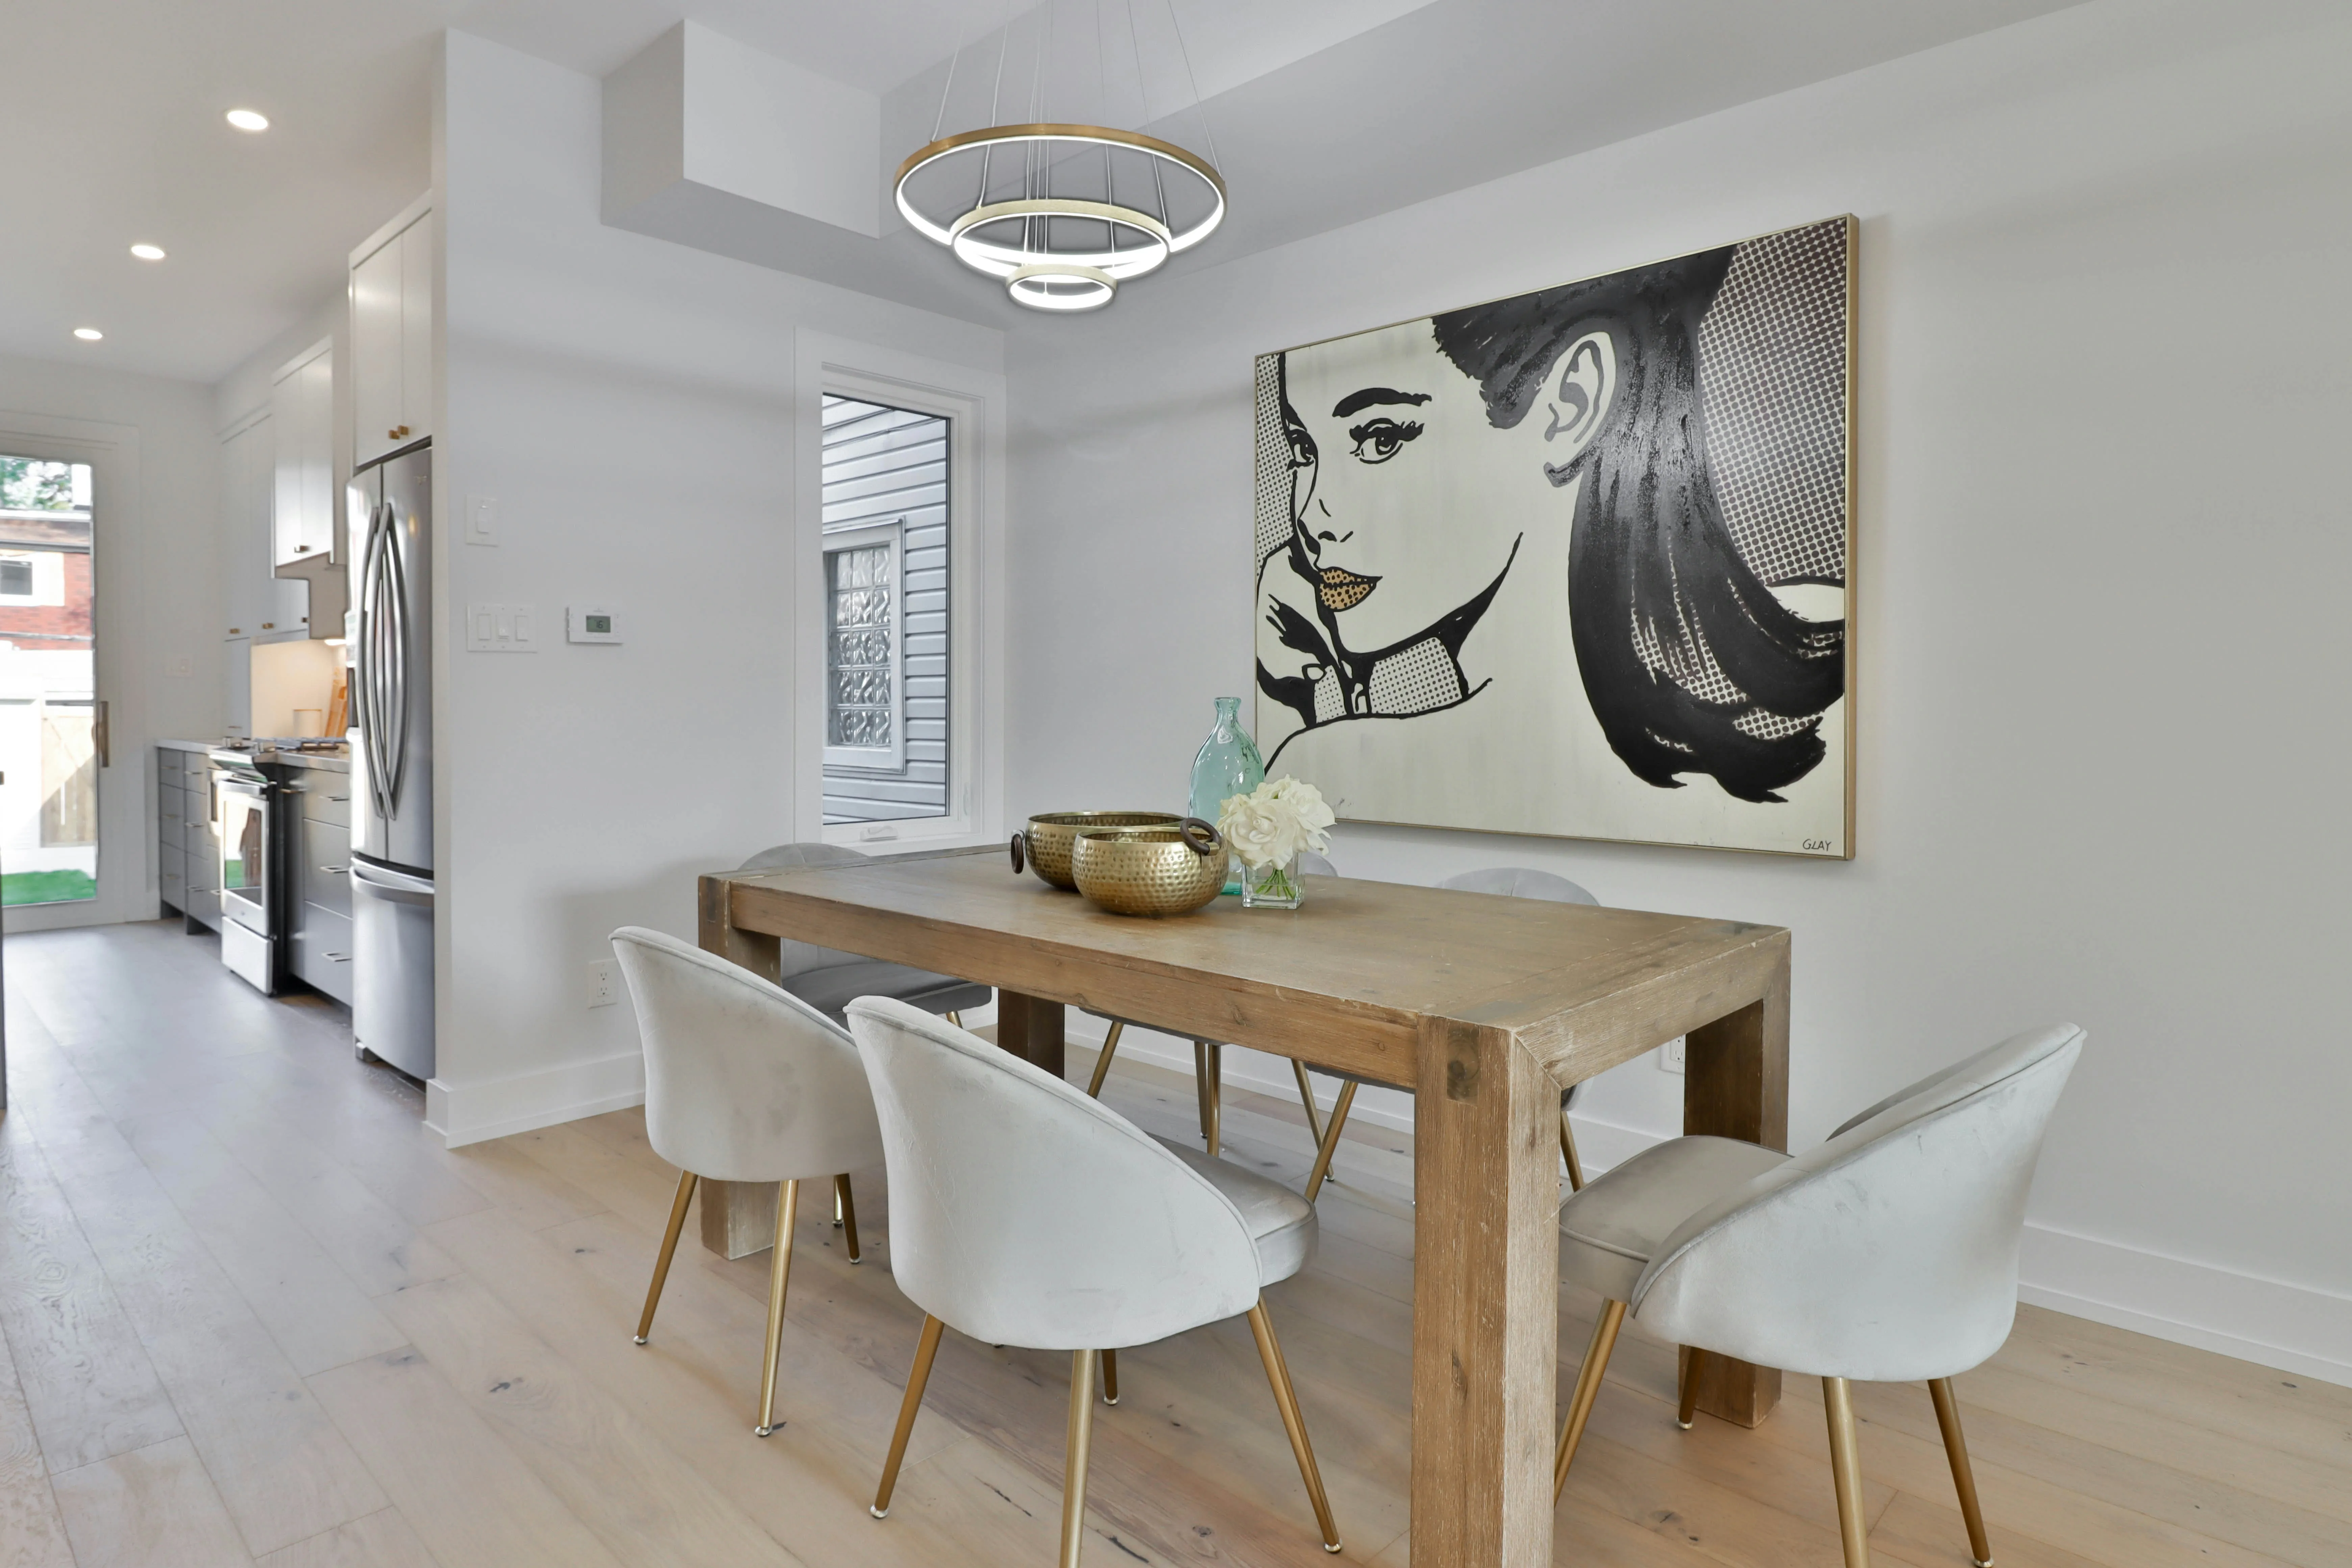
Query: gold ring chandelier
{"points": [[1061, 213]]}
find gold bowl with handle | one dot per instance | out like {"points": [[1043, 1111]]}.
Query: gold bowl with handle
{"points": [[1046, 844], [1162, 870]]}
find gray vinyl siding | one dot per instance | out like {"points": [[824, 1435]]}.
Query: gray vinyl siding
{"points": [[883, 464]]}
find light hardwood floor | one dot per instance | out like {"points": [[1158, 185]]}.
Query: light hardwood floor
{"points": [[254, 1312]]}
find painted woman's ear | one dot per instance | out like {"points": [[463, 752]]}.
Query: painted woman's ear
{"points": [[1584, 383]]}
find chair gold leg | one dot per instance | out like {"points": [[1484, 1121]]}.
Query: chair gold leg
{"points": [[1074, 1464], [1568, 1152], [685, 1180], [1286, 1399], [845, 1215], [1111, 1377], [1687, 1411], [1845, 1470], [1306, 1099], [1588, 1389], [1964, 1478], [780, 1274], [1102, 1062], [952, 1016], [926, 1349], [1330, 1145]]}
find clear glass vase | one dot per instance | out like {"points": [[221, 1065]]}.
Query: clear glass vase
{"points": [[1274, 886], [1227, 764]]}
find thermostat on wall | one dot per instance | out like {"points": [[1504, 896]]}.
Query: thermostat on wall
{"points": [[591, 623]]}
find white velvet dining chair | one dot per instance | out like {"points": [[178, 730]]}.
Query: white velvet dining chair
{"points": [[744, 1082], [1208, 1055], [1024, 1212], [1888, 1254], [826, 978], [1505, 881]]}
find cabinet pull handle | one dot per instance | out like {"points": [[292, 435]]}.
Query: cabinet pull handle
{"points": [[269, 625], [338, 957], [342, 798], [338, 870], [237, 631], [300, 549]]}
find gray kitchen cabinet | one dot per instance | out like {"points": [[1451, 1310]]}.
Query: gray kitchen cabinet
{"points": [[322, 905], [187, 849]]}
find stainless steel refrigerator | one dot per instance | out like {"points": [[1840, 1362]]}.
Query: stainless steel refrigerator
{"points": [[390, 518]]}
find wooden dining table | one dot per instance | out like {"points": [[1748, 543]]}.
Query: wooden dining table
{"points": [[1484, 1006]]}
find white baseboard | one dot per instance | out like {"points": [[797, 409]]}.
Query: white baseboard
{"points": [[2267, 1321], [494, 1108]]}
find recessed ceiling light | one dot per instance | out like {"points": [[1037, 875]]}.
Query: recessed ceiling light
{"points": [[148, 252], [88, 334], [249, 120]]}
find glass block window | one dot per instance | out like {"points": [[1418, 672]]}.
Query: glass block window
{"points": [[862, 663], [886, 502]]}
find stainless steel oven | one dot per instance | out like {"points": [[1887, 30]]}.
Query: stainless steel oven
{"points": [[251, 806]]}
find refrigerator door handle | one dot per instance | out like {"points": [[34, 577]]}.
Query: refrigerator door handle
{"points": [[375, 652], [396, 593], [398, 886]]}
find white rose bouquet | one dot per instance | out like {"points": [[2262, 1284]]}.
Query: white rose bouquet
{"points": [[1268, 828]]}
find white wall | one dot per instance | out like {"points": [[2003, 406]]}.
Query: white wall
{"points": [[158, 595], [629, 404], [2102, 547]]}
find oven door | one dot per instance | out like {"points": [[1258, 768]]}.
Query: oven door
{"points": [[245, 852]]}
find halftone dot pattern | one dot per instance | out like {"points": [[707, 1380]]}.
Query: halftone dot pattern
{"points": [[1415, 679], [1272, 460], [1772, 366]]}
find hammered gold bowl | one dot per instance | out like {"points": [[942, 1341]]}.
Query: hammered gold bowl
{"points": [[1046, 844], [1146, 870]]}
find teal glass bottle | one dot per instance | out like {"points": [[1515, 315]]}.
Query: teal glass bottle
{"points": [[1227, 764]]}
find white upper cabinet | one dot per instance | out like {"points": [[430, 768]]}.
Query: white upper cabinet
{"points": [[303, 413], [262, 607], [392, 338]]}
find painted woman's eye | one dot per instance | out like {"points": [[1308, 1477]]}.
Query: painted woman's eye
{"points": [[1302, 445], [1378, 441]]}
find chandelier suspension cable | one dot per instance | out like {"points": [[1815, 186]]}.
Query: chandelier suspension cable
{"points": [[1200, 109], [1144, 110], [940, 121]]}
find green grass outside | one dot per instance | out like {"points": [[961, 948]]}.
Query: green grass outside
{"points": [[47, 886]]}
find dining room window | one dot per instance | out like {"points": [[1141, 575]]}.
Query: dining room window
{"points": [[886, 503]]}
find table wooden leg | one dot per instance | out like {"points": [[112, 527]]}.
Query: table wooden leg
{"points": [[1485, 1288], [1031, 1028], [1736, 1086]]}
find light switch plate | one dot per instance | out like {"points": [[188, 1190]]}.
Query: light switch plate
{"points": [[592, 622], [179, 664], [482, 519], [502, 629]]}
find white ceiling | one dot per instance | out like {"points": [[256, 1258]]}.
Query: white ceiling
{"points": [[1324, 112]]}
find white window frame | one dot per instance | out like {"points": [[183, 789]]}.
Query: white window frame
{"points": [[973, 402], [892, 758]]}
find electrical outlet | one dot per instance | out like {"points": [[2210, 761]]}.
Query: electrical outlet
{"points": [[602, 985], [1670, 1056]]}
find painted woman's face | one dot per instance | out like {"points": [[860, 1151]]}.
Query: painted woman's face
{"points": [[1407, 502]]}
